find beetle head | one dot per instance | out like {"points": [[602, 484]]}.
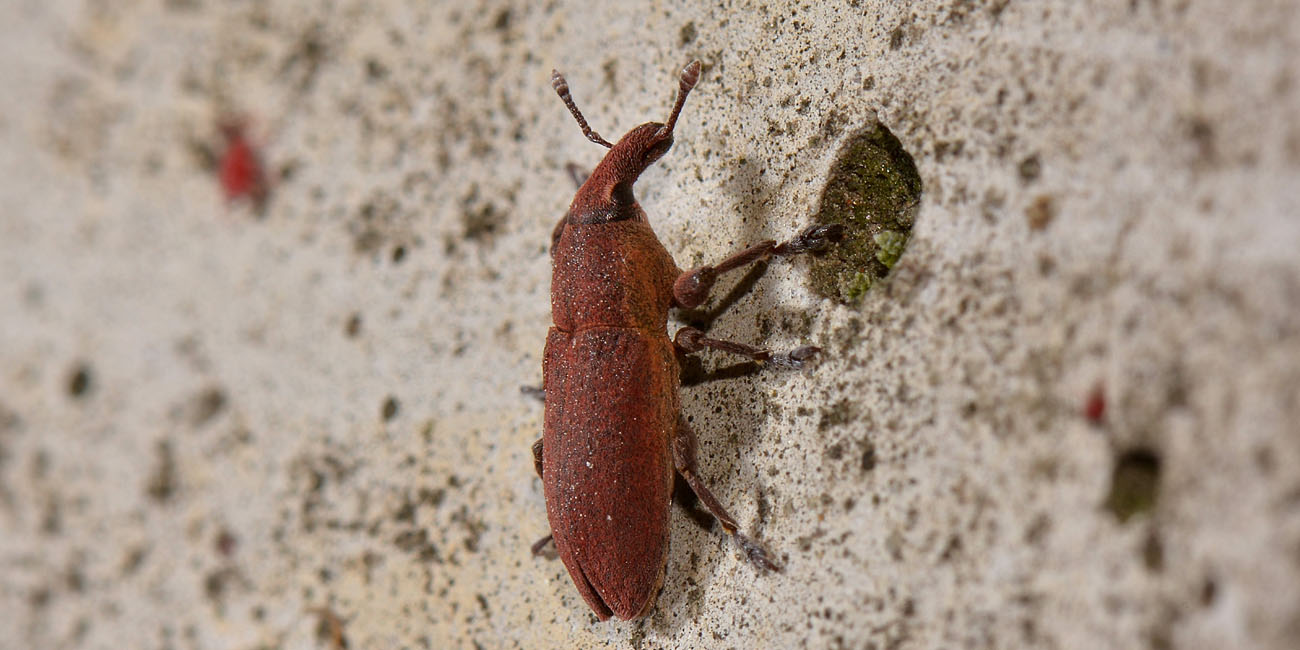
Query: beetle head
{"points": [[610, 185], [628, 158]]}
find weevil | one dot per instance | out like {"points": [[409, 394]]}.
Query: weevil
{"points": [[614, 436]]}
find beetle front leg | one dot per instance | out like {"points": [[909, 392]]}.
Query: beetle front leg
{"points": [[692, 287], [684, 460]]}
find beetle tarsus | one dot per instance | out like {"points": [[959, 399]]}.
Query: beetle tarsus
{"points": [[795, 359], [756, 554], [813, 239]]}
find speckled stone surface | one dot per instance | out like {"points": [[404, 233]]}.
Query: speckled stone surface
{"points": [[1067, 419]]}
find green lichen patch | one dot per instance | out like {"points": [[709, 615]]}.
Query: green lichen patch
{"points": [[891, 244], [874, 190]]}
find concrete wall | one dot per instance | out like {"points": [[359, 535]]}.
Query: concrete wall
{"points": [[1067, 418]]}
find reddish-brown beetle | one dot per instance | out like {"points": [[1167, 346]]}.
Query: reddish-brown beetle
{"points": [[613, 430]]}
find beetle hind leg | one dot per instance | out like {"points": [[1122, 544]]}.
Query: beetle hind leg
{"points": [[539, 547], [684, 460]]}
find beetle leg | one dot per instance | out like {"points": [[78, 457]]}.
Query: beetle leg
{"points": [[536, 392], [692, 287], [557, 231], [578, 174], [689, 340], [537, 456], [684, 460], [540, 545], [812, 239]]}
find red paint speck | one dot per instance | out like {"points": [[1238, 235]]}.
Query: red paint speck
{"points": [[225, 543], [240, 166], [1095, 408]]}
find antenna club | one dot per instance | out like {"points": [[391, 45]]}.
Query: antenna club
{"points": [[691, 74]]}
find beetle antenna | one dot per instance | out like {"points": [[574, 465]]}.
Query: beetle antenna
{"points": [[562, 88], [690, 75]]}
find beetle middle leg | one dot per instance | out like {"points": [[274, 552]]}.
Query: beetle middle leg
{"points": [[692, 287], [689, 340], [684, 461]]}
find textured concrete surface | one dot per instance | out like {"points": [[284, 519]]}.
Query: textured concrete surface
{"points": [[1067, 419]]}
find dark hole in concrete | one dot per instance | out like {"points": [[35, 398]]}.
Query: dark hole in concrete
{"points": [[1040, 213], [869, 458], [1030, 169], [502, 22], [835, 452], [1153, 553], [329, 629], [482, 223], [896, 37], [79, 381], [686, 35], [1135, 483], [162, 484], [225, 543], [389, 410], [873, 189], [208, 405], [1209, 591]]}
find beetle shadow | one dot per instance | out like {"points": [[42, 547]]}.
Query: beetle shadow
{"points": [[702, 319], [726, 450], [728, 436]]}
